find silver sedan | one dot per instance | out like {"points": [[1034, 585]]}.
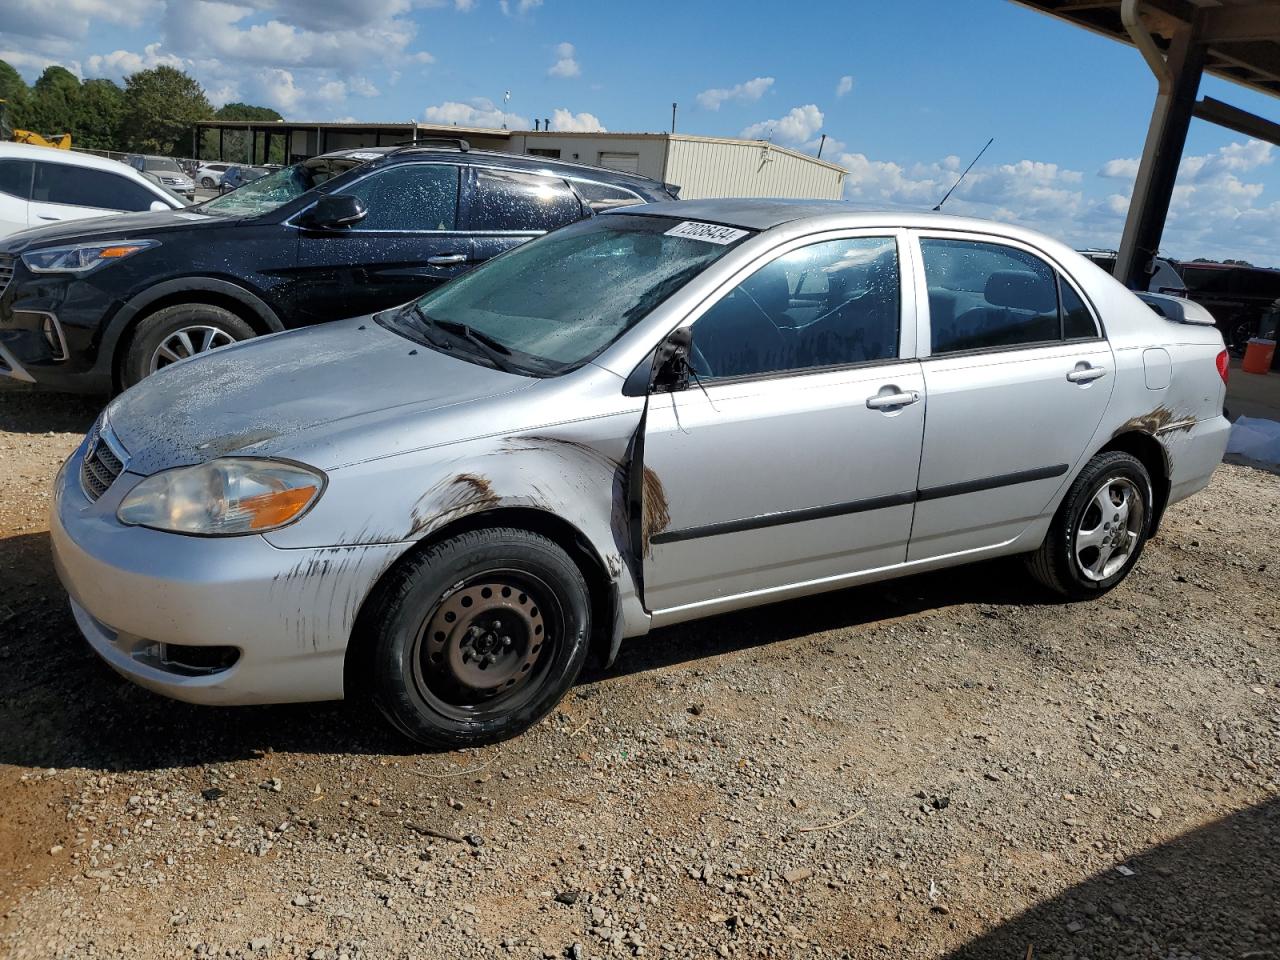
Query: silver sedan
{"points": [[648, 417]]}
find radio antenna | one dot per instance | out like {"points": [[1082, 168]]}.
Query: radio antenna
{"points": [[963, 175]]}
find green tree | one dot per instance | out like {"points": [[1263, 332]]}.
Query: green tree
{"points": [[245, 111], [51, 107], [161, 106], [15, 93], [97, 115]]}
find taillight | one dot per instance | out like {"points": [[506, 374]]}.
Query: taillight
{"points": [[1223, 366]]}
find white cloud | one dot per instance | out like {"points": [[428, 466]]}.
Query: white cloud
{"points": [[844, 86], [566, 64], [120, 63], [71, 19], [800, 124], [33, 64], [464, 6], [743, 92], [564, 120], [479, 112], [1119, 169], [519, 8]]}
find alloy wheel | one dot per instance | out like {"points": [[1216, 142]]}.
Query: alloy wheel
{"points": [[187, 342], [1110, 529]]}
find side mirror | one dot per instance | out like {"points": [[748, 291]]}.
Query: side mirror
{"points": [[671, 361], [334, 211], [158, 206]]}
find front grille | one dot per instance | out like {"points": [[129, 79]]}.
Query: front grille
{"points": [[7, 263], [100, 466]]}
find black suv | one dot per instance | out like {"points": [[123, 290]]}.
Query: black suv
{"points": [[96, 305]]}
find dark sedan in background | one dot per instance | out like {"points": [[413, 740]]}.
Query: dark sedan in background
{"points": [[96, 306]]}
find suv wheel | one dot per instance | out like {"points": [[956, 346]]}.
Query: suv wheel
{"points": [[1099, 530], [177, 332], [477, 638], [206, 182]]}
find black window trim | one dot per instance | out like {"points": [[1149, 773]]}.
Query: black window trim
{"points": [[917, 234]]}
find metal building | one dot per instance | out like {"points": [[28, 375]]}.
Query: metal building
{"points": [[700, 166]]}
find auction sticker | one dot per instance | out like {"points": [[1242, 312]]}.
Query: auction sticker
{"points": [[708, 232]]}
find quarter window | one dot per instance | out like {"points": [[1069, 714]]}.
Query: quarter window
{"points": [[506, 200], [823, 305], [81, 187], [410, 197], [15, 178], [988, 296], [601, 196]]}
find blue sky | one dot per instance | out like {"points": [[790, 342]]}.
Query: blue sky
{"points": [[927, 83]]}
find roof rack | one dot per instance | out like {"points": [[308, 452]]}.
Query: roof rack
{"points": [[458, 142]]}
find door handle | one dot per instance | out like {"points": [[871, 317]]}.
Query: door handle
{"points": [[882, 401], [43, 217], [1086, 374], [447, 260]]}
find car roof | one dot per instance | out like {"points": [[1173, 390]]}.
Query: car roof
{"points": [[533, 162], [28, 151]]}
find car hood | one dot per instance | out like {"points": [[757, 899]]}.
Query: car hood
{"points": [[125, 226], [294, 394]]}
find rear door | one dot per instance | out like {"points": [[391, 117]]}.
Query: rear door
{"points": [[67, 191], [408, 242], [1018, 376], [504, 208], [15, 194], [792, 458]]}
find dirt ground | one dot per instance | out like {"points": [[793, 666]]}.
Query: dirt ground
{"points": [[944, 766]]}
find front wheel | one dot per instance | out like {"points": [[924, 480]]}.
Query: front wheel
{"points": [[1099, 530], [206, 182], [176, 333], [478, 637]]}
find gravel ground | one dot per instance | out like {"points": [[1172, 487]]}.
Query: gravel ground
{"points": [[944, 766]]}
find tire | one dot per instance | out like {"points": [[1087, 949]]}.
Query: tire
{"points": [[429, 673], [206, 182], [208, 325], [1067, 563]]}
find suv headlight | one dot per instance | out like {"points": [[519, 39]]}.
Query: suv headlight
{"points": [[224, 497], [83, 257]]}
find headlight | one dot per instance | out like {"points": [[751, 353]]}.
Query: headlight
{"points": [[82, 257], [225, 497]]}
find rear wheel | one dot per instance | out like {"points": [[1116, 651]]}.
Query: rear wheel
{"points": [[478, 637], [206, 182], [175, 333], [1099, 530]]}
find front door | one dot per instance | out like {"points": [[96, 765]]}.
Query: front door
{"points": [[1018, 376], [407, 243], [791, 457]]}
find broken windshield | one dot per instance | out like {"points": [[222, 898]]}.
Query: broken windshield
{"points": [[277, 189]]}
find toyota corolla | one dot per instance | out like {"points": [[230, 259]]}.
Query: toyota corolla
{"points": [[648, 417]]}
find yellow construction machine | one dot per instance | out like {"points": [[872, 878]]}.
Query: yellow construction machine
{"points": [[7, 132]]}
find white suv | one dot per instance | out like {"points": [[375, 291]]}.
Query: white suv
{"points": [[209, 176], [40, 185]]}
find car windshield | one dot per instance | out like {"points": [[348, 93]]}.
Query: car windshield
{"points": [[267, 193], [552, 304], [162, 165]]}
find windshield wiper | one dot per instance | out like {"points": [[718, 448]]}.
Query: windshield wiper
{"points": [[498, 353]]}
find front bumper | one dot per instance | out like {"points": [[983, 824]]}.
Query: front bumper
{"points": [[288, 613]]}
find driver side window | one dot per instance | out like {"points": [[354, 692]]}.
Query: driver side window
{"points": [[828, 304]]}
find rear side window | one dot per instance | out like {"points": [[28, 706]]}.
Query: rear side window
{"points": [[601, 196], [410, 197], [81, 187], [526, 202], [986, 296], [15, 178]]}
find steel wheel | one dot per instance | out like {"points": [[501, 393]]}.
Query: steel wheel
{"points": [[483, 646], [187, 342], [1110, 529]]}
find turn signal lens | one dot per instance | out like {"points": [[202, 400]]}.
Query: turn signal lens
{"points": [[225, 497], [1224, 366]]}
